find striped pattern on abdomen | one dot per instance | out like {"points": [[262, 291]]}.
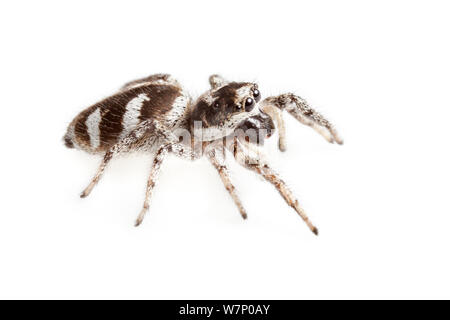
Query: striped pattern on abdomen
{"points": [[102, 125]]}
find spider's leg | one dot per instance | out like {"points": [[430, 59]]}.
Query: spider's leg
{"points": [[154, 78], [277, 116], [246, 158], [216, 81], [218, 161], [154, 172], [106, 158], [122, 146], [300, 110]]}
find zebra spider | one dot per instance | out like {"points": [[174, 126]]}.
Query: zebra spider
{"points": [[156, 115]]}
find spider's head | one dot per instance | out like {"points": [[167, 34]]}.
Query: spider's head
{"points": [[221, 110]]}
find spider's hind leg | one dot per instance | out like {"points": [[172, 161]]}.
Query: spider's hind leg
{"points": [[106, 158], [123, 145]]}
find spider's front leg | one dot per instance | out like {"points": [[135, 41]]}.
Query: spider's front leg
{"points": [[300, 110], [217, 159], [253, 160]]}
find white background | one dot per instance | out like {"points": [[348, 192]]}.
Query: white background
{"points": [[378, 70]]}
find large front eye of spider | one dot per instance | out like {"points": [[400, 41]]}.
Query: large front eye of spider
{"points": [[256, 95], [249, 104]]}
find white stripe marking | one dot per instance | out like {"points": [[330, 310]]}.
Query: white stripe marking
{"points": [[92, 124], [131, 117], [178, 108]]}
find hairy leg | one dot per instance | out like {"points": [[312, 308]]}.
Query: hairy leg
{"points": [[154, 78], [216, 158], [154, 172], [300, 110], [106, 158], [126, 144], [216, 81], [246, 158], [276, 115]]}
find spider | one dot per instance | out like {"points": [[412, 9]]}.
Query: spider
{"points": [[156, 115]]}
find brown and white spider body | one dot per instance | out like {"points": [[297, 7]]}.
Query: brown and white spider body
{"points": [[156, 115]]}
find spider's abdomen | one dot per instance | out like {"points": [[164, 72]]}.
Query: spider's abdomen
{"points": [[102, 125]]}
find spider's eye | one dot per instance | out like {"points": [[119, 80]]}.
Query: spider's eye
{"points": [[256, 95], [238, 106], [216, 105], [249, 104]]}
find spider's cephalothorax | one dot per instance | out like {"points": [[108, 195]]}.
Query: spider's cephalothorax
{"points": [[222, 108], [153, 114]]}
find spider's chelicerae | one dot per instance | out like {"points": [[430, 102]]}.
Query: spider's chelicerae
{"points": [[156, 115]]}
